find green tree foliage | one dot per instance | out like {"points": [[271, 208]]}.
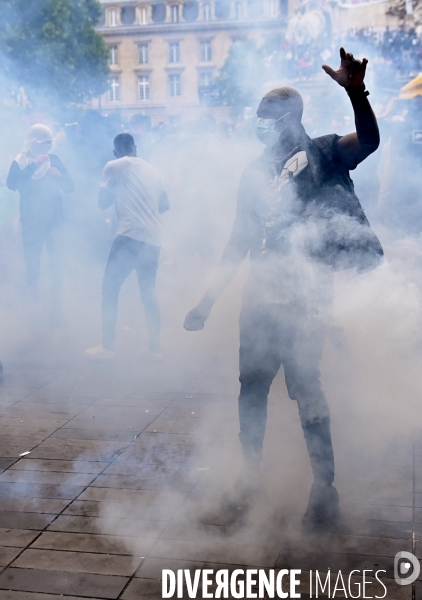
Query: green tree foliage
{"points": [[242, 75], [52, 49]]}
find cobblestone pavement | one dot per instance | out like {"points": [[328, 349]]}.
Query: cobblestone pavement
{"points": [[124, 474]]}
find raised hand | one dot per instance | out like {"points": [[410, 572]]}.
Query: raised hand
{"points": [[351, 71]]}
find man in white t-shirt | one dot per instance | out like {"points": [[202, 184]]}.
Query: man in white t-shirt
{"points": [[135, 189]]}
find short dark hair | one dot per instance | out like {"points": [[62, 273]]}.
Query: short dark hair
{"points": [[288, 96], [124, 143]]}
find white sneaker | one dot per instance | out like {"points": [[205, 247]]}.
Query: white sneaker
{"points": [[100, 353]]}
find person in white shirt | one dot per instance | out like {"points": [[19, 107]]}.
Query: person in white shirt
{"points": [[135, 189]]}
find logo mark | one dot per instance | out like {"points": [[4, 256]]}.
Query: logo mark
{"points": [[406, 568]]}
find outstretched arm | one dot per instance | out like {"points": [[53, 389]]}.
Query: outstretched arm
{"points": [[105, 198], [163, 203], [106, 193], [233, 256], [355, 147]]}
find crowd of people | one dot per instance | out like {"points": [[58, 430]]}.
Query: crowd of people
{"points": [[394, 53]]}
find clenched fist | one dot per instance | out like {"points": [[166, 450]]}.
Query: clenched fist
{"points": [[195, 319]]}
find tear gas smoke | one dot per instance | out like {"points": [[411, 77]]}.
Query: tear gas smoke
{"points": [[371, 360]]}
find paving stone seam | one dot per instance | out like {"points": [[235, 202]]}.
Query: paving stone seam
{"points": [[136, 435], [16, 402], [83, 407], [149, 553], [73, 551], [183, 391]]}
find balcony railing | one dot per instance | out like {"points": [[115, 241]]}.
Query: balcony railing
{"points": [[124, 13]]}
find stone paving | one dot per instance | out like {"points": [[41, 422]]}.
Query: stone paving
{"points": [[126, 468]]}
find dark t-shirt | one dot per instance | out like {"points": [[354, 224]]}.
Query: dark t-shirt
{"points": [[40, 199], [321, 193], [299, 228]]}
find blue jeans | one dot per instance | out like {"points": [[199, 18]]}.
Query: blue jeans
{"points": [[270, 336], [125, 255]]}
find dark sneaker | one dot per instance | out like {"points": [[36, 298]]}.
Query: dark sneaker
{"points": [[323, 507], [238, 501], [244, 493]]}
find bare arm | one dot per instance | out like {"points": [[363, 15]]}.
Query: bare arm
{"points": [[163, 204], [105, 198], [233, 256], [355, 147]]}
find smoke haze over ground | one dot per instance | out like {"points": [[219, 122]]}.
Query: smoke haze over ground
{"points": [[184, 410]]}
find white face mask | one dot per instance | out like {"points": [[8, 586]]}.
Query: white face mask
{"points": [[266, 132], [40, 148]]}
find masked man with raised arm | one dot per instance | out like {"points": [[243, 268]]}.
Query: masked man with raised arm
{"points": [[300, 220]]}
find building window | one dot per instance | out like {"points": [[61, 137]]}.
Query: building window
{"points": [[143, 84], [205, 79], [143, 15], [273, 8], [206, 51], [174, 83], [174, 13], [207, 11], [113, 57], [238, 10], [174, 55], [143, 54], [113, 17], [114, 92]]}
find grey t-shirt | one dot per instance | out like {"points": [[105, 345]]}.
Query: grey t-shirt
{"points": [[138, 193]]}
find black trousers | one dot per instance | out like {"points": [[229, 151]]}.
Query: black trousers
{"points": [[271, 335], [34, 236], [125, 255]]}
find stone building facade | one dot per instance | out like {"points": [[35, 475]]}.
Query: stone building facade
{"points": [[165, 54]]}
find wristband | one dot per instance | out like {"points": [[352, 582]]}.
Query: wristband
{"points": [[354, 91]]}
